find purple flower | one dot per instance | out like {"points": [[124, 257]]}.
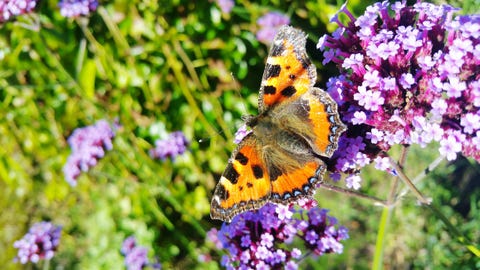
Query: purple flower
{"points": [[88, 145], [269, 25], [11, 8], [408, 75], [226, 5], [241, 133], [175, 144], [40, 243], [136, 257], [449, 147], [76, 8], [128, 245], [261, 239], [353, 181]]}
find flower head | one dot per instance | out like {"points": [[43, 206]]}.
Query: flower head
{"points": [[226, 5], [136, 257], [175, 144], [269, 25], [11, 8], [76, 8], [258, 238], [40, 243], [408, 76], [88, 144]]}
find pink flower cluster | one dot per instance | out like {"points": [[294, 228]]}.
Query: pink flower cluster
{"points": [[409, 75], [11, 8]]}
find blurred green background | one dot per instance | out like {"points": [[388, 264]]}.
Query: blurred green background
{"points": [[189, 67]]}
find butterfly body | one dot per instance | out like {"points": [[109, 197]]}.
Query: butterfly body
{"points": [[279, 161]]}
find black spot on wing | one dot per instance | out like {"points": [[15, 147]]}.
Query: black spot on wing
{"points": [[222, 193], [274, 172], [231, 174], [288, 91], [269, 90], [272, 71], [277, 49], [249, 185], [257, 171], [241, 158]]}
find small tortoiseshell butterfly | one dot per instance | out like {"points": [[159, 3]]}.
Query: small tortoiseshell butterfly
{"points": [[279, 161]]}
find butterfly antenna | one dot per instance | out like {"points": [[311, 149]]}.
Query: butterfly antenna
{"points": [[206, 139]]}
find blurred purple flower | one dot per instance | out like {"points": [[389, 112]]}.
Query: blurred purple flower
{"points": [[76, 8], [175, 144], [128, 245], [40, 243], [226, 5], [136, 257], [88, 144], [11, 8], [409, 75], [258, 238], [269, 25]]}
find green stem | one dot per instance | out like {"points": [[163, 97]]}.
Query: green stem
{"points": [[427, 203], [422, 175], [386, 213], [453, 230], [380, 242], [408, 182]]}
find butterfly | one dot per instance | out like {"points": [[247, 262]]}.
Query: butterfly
{"points": [[297, 124]]}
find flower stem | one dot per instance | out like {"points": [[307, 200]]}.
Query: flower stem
{"points": [[408, 182], [353, 193], [427, 202]]}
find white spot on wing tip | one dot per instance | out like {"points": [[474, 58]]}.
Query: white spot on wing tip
{"points": [[278, 42]]}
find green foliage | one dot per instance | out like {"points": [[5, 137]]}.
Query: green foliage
{"points": [[185, 65]]}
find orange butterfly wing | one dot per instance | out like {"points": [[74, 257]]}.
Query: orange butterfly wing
{"points": [[296, 184], [320, 124], [244, 185], [289, 73]]}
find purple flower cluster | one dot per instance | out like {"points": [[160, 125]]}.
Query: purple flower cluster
{"points": [[269, 25], [136, 257], [11, 8], [76, 8], [40, 243], [88, 144], [226, 5], [259, 239], [241, 133], [409, 75], [176, 144]]}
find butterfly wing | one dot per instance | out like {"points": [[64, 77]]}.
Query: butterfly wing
{"points": [[289, 72], [294, 171], [244, 185], [321, 114], [314, 117]]}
